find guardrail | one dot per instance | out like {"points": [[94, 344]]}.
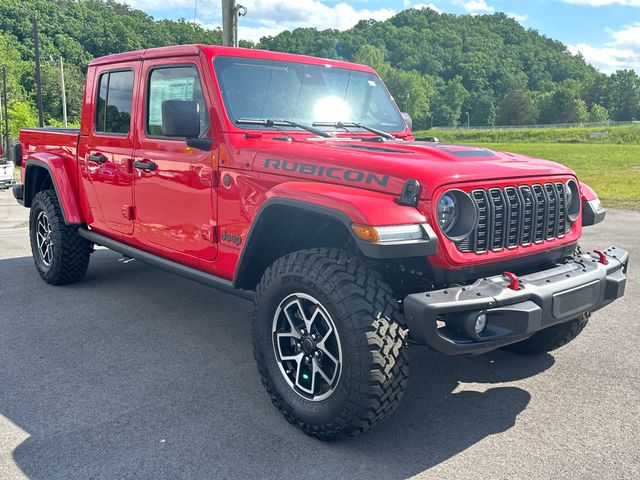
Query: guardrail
{"points": [[536, 126]]}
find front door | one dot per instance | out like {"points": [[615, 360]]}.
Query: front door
{"points": [[105, 155], [174, 197]]}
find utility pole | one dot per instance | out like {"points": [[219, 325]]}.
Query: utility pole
{"points": [[36, 48], [5, 101], [64, 93], [230, 14]]}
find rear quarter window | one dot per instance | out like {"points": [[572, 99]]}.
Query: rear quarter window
{"points": [[114, 102]]}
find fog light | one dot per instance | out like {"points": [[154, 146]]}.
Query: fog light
{"points": [[481, 323]]}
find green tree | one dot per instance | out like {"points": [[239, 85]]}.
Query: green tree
{"points": [[624, 95], [412, 92], [598, 114], [564, 105], [22, 115], [447, 106]]}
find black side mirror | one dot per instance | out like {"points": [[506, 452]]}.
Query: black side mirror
{"points": [[15, 154], [180, 118], [407, 118]]}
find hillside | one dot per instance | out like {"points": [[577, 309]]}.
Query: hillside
{"points": [[438, 66]]}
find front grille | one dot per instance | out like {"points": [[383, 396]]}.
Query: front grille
{"points": [[517, 216]]}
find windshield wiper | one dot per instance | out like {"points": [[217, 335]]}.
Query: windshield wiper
{"points": [[380, 133], [267, 122]]}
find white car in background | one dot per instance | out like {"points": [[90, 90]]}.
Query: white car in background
{"points": [[6, 173]]}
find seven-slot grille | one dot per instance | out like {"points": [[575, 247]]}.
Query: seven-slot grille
{"points": [[513, 216]]}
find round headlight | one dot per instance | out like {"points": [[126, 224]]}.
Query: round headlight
{"points": [[456, 214], [572, 199], [568, 195], [447, 212]]}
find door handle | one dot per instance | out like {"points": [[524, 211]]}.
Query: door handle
{"points": [[144, 165], [97, 158]]}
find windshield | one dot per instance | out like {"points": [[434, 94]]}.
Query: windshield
{"points": [[267, 89]]}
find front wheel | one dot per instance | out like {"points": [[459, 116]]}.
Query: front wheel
{"points": [[328, 342]]}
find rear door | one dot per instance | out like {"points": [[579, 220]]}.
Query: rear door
{"points": [[174, 197], [105, 155]]}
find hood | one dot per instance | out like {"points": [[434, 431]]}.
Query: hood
{"points": [[385, 166]]}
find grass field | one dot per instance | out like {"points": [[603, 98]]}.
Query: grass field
{"points": [[611, 170], [627, 134]]}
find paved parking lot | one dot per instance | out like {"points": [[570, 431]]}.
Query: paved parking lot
{"points": [[137, 373]]}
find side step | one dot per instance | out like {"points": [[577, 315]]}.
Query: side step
{"points": [[173, 267]]}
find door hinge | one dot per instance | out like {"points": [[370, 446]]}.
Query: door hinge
{"points": [[128, 212], [209, 233], [215, 179]]}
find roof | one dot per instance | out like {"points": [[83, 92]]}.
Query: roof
{"points": [[214, 51]]}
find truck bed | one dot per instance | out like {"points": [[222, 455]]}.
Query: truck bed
{"points": [[60, 141]]}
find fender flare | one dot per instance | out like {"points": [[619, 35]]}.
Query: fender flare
{"points": [[62, 183], [295, 196]]}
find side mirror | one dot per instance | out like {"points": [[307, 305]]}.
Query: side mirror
{"points": [[180, 118], [407, 118], [15, 154]]}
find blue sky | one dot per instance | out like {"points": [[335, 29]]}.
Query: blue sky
{"points": [[606, 32]]}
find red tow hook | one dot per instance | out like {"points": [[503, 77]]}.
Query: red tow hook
{"points": [[514, 282], [602, 257]]}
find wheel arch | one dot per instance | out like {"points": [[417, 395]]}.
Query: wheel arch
{"points": [[50, 172], [284, 225]]}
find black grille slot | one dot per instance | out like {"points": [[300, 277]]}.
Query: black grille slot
{"points": [[540, 221], [517, 216], [562, 210], [514, 218]]}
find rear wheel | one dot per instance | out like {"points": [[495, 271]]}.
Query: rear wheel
{"points": [[550, 338], [60, 254], [328, 342]]}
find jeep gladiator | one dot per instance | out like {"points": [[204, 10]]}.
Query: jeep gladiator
{"points": [[296, 182]]}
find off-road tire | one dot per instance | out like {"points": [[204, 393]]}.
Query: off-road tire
{"points": [[375, 364], [550, 338], [70, 258]]}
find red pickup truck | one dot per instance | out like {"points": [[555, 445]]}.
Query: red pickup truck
{"points": [[296, 181]]}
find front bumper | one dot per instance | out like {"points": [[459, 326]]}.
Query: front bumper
{"points": [[544, 298]]}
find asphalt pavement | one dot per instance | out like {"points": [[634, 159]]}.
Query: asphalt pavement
{"points": [[137, 373]]}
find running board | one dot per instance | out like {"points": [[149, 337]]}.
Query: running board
{"points": [[173, 267]]}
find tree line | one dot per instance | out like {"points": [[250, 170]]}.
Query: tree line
{"points": [[443, 69]]}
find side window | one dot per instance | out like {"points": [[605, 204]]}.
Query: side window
{"points": [[115, 95], [174, 83]]}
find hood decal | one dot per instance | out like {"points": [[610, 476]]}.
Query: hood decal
{"points": [[335, 173]]}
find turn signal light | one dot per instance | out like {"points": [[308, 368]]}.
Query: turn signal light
{"points": [[365, 232]]}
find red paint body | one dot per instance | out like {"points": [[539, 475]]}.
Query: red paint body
{"points": [[180, 210]]}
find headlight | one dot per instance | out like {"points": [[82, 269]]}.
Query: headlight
{"points": [[447, 211], [456, 213], [572, 200]]}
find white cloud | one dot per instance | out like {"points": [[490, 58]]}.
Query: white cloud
{"points": [[270, 17], [629, 35], [603, 3], [420, 6], [475, 7], [517, 17], [622, 52]]}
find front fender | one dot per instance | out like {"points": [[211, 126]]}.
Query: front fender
{"points": [[343, 205], [62, 181], [359, 206]]}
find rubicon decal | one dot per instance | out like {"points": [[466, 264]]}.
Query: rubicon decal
{"points": [[335, 173]]}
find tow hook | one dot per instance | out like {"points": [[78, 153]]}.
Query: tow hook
{"points": [[514, 281], [602, 257]]}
